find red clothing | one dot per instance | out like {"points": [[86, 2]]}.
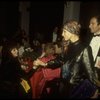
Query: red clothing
{"points": [[43, 75], [48, 58], [35, 80], [39, 79]]}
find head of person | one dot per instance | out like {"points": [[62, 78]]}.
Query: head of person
{"points": [[95, 24], [10, 50], [71, 30], [14, 52], [49, 49]]}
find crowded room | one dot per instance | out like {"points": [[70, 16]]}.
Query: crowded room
{"points": [[49, 49]]}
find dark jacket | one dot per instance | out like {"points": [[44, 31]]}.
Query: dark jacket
{"points": [[81, 63], [80, 60], [97, 70], [10, 78]]}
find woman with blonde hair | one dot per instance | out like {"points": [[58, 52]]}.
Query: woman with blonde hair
{"points": [[78, 69]]}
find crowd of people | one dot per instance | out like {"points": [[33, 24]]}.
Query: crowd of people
{"points": [[66, 68]]}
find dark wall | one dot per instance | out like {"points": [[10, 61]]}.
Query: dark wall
{"points": [[87, 10], [44, 16], [8, 18]]}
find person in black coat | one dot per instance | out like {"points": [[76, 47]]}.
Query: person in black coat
{"points": [[11, 74], [79, 61]]}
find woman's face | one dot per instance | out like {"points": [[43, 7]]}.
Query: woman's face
{"points": [[66, 34], [14, 52]]}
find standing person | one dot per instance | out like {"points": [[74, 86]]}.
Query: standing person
{"points": [[78, 63], [12, 77], [95, 42]]}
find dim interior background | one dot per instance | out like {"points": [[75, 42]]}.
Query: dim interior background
{"points": [[43, 16]]}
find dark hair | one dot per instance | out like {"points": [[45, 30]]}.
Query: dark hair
{"points": [[97, 18], [8, 47], [6, 51], [11, 44]]}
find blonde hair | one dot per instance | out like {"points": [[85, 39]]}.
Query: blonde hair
{"points": [[48, 48], [72, 26]]}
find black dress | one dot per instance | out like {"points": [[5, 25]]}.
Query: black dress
{"points": [[10, 74]]}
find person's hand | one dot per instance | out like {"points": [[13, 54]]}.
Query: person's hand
{"points": [[39, 62], [24, 67]]}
